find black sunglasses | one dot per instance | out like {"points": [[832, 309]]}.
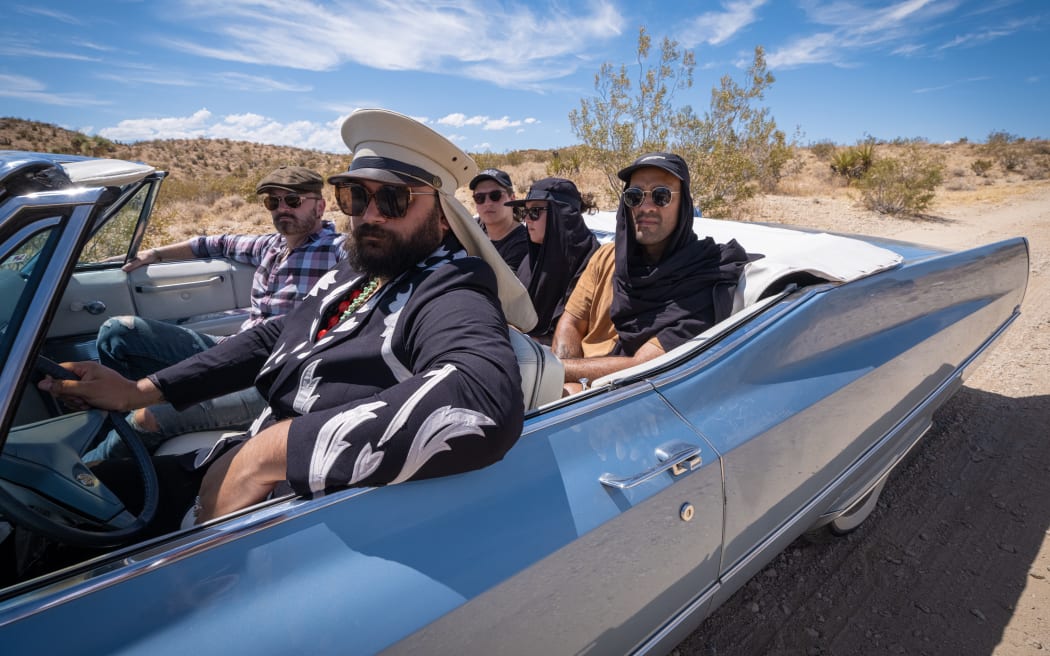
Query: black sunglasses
{"points": [[633, 196], [493, 196], [533, 213], [391, 200], [291, 200]]}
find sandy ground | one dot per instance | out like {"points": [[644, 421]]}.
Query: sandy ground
{"points": [[956, 557]]}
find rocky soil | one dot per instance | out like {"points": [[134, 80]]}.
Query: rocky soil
{"points": [[956, 557]]}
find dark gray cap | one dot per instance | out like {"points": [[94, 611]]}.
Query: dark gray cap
{"points": [[293, 178], [499, 177], [559, 190], [669, 162]]}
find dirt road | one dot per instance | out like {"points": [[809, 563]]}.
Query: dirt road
{"points": [[956, 557]]}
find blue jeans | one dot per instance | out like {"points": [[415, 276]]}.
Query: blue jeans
{"points": [[137, 347]]}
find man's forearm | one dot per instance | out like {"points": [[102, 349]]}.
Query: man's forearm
{"points": [[592, 368]]}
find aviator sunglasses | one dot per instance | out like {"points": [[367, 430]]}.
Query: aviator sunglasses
{"points": [[391, 200], [293, 201], [493, 196], [633, 196]]}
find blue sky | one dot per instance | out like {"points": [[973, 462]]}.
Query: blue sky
{"points": [[498, 76]]}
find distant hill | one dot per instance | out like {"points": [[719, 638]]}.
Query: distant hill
{"points": [[184, 159], [210, 167]]}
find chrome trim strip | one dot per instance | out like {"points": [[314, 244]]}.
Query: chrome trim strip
{"points": [[176, 286], [679, 619]]}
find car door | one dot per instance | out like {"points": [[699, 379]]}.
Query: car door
{"points": [[206, 295], [532, 555], [612, 544]]}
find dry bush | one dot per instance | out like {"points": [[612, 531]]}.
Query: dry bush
{"points": [[904, 185]]}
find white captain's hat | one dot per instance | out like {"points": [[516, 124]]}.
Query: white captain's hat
{"points": [[397, 149]]}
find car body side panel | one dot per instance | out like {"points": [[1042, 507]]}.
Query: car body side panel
{"points": [[808, 395], [636, 562], [363, 569]]}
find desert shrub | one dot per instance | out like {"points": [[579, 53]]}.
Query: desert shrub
{"points": [[853, 163], [959, 184], [823, 150], [980, 167], [568, 165], [904, 185], [1007, 149], [1037, 167]]}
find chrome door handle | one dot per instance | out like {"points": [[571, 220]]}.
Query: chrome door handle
{"points": [[177, 286], [92, 307], [678, 457]]}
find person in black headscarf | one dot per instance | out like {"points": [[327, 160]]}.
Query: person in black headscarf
{"points": [[560, 244], [655, 287]]}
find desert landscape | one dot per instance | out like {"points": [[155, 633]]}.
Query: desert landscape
{"points": [[956, 557]]}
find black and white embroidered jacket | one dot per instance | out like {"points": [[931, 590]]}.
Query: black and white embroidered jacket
{"points": [[420, 382]]}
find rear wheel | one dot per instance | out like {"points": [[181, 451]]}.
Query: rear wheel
{"points": [[850, 520]]}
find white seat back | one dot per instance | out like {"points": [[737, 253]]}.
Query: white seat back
{"points": [[542, 374]]}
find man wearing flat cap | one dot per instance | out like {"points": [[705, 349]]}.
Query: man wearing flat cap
{"points": [[397, 366], [288, 263], [655, 287]]}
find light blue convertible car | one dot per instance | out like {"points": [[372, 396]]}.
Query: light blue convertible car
{"points": [[622, 517]]}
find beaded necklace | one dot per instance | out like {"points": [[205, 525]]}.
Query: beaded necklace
{"points": [[349, 306]]}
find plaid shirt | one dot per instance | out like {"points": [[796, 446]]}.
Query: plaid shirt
{"points": [[280, 283]]}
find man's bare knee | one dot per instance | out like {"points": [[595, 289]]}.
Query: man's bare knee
{"points": [[146, 421]]}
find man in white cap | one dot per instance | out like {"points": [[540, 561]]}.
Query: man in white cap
{"points": [[403, 372]]}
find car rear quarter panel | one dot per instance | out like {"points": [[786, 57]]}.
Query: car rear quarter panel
{"points": [[806, 395]]}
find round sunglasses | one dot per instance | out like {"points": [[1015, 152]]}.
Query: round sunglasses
{"points": [[633, 196], [293, 201], [392, 201], [492, 196]]}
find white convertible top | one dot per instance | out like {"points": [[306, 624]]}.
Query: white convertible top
{"points": [[105, 172], [835, 258]]}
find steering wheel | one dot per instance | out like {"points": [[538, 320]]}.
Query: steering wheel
{"points": [[43, 481]]}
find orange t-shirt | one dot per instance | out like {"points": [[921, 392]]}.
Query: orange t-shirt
{"points": [[591, 301]]}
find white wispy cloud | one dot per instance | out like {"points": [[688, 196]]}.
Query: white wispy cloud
{"points": [[985, 35], [460, 120], [20, 87], [25, 49], [50, 13], [717, 27], [137, 76], [256, 128], [949, 85], [845, 31], [317, 135], [473, 39], [259, 83]]}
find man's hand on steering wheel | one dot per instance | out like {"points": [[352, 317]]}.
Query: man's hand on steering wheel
{"points": [[98, 387]]}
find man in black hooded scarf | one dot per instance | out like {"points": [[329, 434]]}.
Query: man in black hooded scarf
{"points": [[655, 287], [560, 244]]}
